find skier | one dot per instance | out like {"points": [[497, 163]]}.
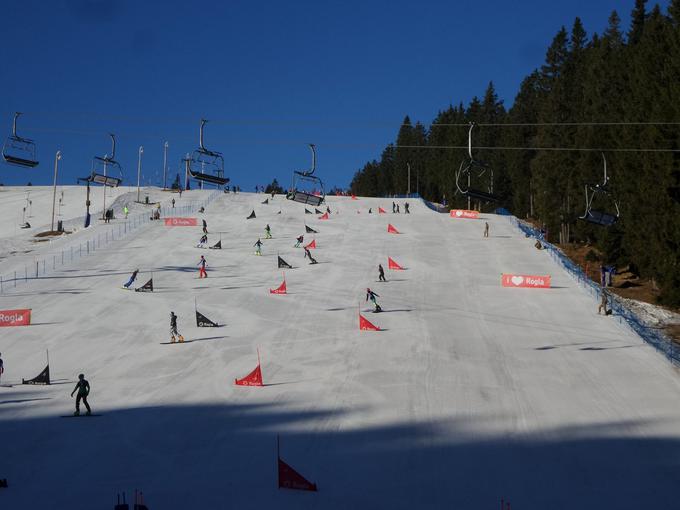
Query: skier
{"points": [[406, 211], [202, 242], [202, 263], [603, 303], [173, 203], [174, 334], [267, 232], [258, 247], [205, 227], [381, 276], [486, 229], [132, 279], [298, 240], [372, 295], [312, 260], [83, 388]]}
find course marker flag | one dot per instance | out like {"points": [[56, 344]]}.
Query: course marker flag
{"points": [[254, 378], [391, 229], [391, 264], [366, 325]]}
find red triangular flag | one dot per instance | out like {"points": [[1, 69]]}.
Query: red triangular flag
{"points": [[381, 210], [254, 378], [391, 229], [366, 325], [291, 479], [354, 197], [324, 217], [391, 264], [312, 244], [280, 290]]}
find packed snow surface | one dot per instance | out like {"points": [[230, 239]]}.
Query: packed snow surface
{"points": [[470, 394]]}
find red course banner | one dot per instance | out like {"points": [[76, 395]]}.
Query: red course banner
{"points": [[526, 280], [181, 222], [15, 317], [464, 213]]}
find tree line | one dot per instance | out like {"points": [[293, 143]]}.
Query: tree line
{"points": [[604, 96]]}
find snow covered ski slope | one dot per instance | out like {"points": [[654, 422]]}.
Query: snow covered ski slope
{"points": [[470, 393]]}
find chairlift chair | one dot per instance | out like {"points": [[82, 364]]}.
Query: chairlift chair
{"points": [[18, 150], [595, 216], [106, 170], [205, 165], [307, 188], [471, 168]]}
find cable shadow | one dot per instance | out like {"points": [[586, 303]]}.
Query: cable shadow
{"points": [[21, 401]]}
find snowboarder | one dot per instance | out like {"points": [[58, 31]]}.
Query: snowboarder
{"points": [[381, 271], [126, 211], [267, 232], [202, 263], [486, 229], [299, 240], [83, 388], [202, 242], [132, 279], [173, 203], [406, 211], [258, 247], [205, 227], [603, 302], [372, 295], [174, 334], [308, 254]]}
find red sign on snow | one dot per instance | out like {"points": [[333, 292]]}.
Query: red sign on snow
{"points": [[15, 317], [181, 222], [525, 280], [464, 213]]}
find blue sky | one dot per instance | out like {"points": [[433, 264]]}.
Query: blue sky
{"points": [[270, 76]]}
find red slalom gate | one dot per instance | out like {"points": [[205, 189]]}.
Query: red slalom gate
{"points": [[526, 281], [324, 217], [21, 317], [181, 222], [464, 213], [391, 229], [254, 378], [311, 245], [391, 264], [281, 289], [381, 210], [366, 325], [288, 477]]}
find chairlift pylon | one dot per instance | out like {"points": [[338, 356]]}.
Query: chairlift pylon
{"points": [[18, 150], [595, 216], [471, 168], [205, 165], [306, 187]]}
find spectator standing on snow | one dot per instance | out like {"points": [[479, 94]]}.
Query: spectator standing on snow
{"points": [[406, 211], [394, 208], [173, 203], [126, 211], [132, 279], [381, 275], [202, 272], [603, 302], [2, 366], [486, 229], [83, 388], [205, 227]]}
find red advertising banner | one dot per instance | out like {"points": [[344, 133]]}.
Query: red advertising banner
{"points": [[15, 317], [181, 222], [464, 213], [526, 280]]}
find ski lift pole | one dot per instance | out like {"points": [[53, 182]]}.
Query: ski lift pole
{"points": [[165, 163], [139, 169], [57, 157]]}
